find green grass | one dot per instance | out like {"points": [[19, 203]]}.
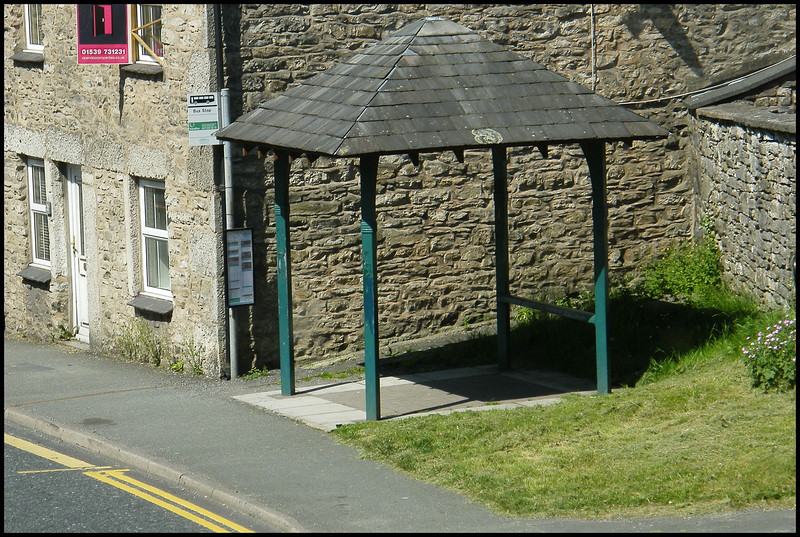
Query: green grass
{"points": [[689, 436], [684, 431]]}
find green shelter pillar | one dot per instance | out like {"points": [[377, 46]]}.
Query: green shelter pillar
{"points": [[285, 330], [595, 153], [369, 247], [499, 163]]}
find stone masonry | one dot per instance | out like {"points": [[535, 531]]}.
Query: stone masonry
{"points": [[436, 254], [748, 186], [118, 127], [435, 221]]}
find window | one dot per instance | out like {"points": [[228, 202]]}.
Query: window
{"points": [[147, 33], [155, 245], [33, 28], [40, 225]]}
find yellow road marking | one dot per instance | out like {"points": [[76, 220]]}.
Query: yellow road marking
{"points": [[114, 478], [62, 470], [110, 476], [45, 453], [118, 474]]}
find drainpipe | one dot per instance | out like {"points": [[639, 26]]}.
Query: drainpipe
{"points": [[227, 166], [229, 222]]}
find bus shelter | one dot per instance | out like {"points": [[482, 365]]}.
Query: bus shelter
{"points": [[436, 86]]}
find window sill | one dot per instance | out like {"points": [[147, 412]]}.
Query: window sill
{"points": [[35, 274], [152, 305], [142, 69], [27, 56]]}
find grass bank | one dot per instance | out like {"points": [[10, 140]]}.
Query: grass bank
{"points": [[689, 436]]}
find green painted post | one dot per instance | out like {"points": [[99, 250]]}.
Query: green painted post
{"points": [[501, 254], [285, 331], [369, 254], [595, 153]]}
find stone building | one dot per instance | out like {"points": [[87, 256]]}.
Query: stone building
{"points": [[113, 223], [105, 149]]}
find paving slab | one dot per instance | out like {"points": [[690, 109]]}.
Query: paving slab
{"points": [[326, 406]]}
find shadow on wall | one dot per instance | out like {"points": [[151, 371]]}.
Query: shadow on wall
{"points": [[666, 22], [233, 65], [257, 325], [643, 333]]}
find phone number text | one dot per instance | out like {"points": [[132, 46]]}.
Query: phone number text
{"points": [[95, 51]]}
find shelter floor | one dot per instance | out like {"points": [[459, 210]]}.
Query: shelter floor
{"points": [[324, 406]]}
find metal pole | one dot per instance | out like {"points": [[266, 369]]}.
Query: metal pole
{"points": [[595, 153], [283, 246], [501, 255], [227, 164], [369, 246]]}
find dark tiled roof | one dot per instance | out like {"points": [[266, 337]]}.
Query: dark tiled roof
{"points": [[434, 85]]}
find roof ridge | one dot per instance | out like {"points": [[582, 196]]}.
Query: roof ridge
{"points": [[385, 79]]}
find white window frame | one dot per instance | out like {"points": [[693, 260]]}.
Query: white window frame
{"points": [[142, 54], [30, 46], [153, 233], [39, 213]]}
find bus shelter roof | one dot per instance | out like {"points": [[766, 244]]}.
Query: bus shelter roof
{"points": [[433, 85]]}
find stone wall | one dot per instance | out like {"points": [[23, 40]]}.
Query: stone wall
{"points": [[435, 222], [747, 164], [34, 309], [118, 126]]}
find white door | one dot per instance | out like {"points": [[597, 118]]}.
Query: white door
{"points": [[80, 293]]}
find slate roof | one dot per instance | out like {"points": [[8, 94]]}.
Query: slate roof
{"points": [[430, 86]]}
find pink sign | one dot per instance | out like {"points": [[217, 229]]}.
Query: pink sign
{"points": [[103, 32]]}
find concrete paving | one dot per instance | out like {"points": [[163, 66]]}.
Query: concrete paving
{"points": [[325, 406], [243, 444]]}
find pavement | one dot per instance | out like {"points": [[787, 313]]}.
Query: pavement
{"points": [[244, 445]]}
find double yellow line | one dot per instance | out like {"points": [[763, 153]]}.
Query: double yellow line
{"points": [[117, 478]]}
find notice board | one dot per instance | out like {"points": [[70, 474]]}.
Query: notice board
{"points": [[239, 258]]}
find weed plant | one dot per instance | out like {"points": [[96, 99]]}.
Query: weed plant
{"points": [[256, 373], [687, 270], [190, 353], [138, 342], [771, 355]]}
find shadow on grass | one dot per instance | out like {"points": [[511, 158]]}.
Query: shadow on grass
{"points": [[641, 331]]}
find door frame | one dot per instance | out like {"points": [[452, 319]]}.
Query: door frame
{"points": [[76, 246]]}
